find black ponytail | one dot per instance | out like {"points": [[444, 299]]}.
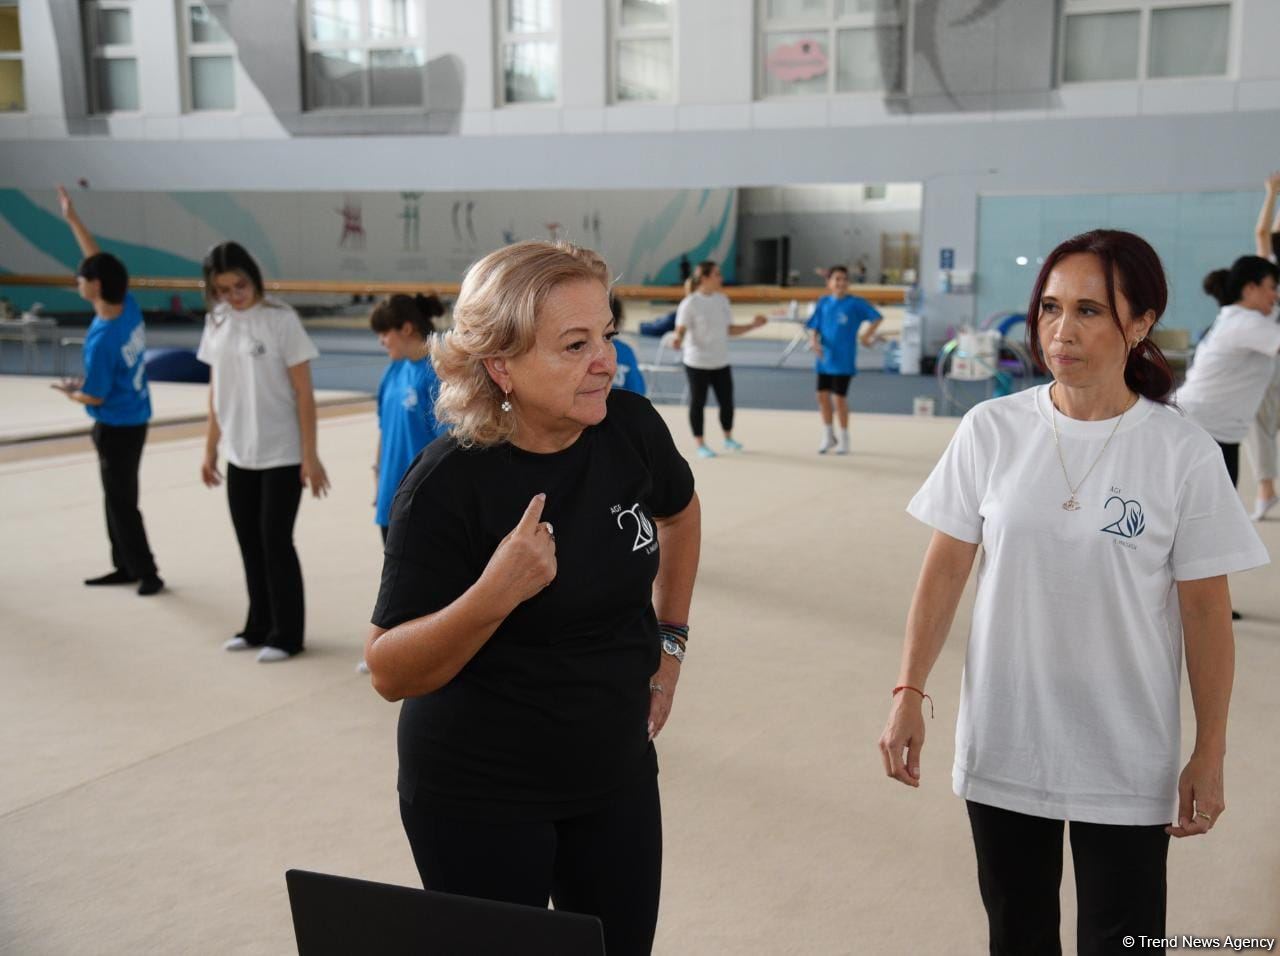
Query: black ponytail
{"points": [[417, 310]]}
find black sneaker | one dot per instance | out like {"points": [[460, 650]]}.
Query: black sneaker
{"points": [[115, 577], [151, 584]]}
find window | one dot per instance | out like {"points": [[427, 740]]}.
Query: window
{"points": [[364, 53], [528, 51], [13, 98], [643, 52], [113, 63], [831, 46], [1143, 39], [874, 191], [210, 55]]}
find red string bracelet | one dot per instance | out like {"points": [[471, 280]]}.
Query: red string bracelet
{"points": [[903, 687]]}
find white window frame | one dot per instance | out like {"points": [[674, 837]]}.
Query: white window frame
{"points": [[618, 33], [95, 51], [1144, 9], [191, 50], [16, 56], [502, 11], [366, 45], [831, 25]]}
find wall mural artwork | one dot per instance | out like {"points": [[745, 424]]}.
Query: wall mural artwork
{"points": [[955, 43], [409, 235]]}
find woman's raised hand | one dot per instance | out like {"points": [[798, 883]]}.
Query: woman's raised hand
{"points": [[525, 561]]}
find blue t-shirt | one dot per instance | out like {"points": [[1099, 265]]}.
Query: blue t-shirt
{"points": [[836, 321], [114, 367], [406, 415], [628, 374]]}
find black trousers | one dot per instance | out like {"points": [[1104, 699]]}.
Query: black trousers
{"points": [[119, 450], [1231, 455], [606, 864], [1120, 882], [719, 379], [264, 506]]}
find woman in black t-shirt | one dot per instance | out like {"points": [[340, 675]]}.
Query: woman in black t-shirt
{"points": [[539, 568]]}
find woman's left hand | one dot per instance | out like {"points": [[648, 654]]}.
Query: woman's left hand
{"points": [[662, 690], [313, 474], [1200, 797]]}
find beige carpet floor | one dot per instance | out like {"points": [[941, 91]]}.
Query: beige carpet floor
{"points": [[153, 789]]}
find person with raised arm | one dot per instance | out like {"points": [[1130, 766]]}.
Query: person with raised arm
{"points": [[115, 395]]}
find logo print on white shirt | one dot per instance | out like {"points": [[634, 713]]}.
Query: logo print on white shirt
{"points": [[1131, 521], [644, 527]]}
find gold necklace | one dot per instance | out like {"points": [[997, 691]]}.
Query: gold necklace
{"points": [[1071, 504]]}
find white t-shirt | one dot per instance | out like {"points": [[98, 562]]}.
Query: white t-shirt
{"points": [[249, 354], [1069, 706], [1230, 372], [706, 320]]}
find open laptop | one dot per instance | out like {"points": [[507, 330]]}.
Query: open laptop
{"points": [[341, 916]]}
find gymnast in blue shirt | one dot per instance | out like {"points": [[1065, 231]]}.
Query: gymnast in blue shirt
{"points": [[628, 375], [406, 394], [833, 337]]}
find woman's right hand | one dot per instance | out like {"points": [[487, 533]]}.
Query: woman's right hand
{"points": [[209, 473], [525, 561], [903, 732]]}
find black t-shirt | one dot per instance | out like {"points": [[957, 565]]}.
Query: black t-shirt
{"points": [[551, 715]]}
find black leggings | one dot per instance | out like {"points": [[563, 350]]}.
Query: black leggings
{"points": [[1120, 881], [607, 863], [1231, 455], [119, 450], [264, 505], [720, 379]]}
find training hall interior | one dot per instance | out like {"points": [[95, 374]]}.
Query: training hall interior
{"points": [[155, 788]]}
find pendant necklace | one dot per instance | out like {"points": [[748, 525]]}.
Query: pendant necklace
{"points": [[1072, 504]]}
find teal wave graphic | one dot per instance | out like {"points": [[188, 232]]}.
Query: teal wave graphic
{"points": [[230, 220], [48, 233], [653, 234], [669, 273]]}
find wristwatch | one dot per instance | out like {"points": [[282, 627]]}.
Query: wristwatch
{"points": [[672, 646]]}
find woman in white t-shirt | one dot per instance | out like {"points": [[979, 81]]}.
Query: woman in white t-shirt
{"points": [[1236, 359], [1108, 526], [704, 323], [262, 416]]}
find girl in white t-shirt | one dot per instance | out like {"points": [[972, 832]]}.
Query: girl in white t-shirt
{"points": [[1235, 361], [704, 323], [262, 416], [1108, 527], [1261, 440]]}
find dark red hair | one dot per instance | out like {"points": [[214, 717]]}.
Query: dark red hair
{"points": [[1131, 265]]}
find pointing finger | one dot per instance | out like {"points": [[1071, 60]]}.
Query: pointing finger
{"points": [[532, 515]]}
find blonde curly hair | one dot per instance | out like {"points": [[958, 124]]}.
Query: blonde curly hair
{"points": [[496, 316]]}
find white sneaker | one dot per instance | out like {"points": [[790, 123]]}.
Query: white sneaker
{"points": [[842, 444], [1262, 506], [237, 644], [828, 442], [362, 667], [270, 655]]}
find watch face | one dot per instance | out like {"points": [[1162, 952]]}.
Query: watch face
{"points": [[673, 648]]}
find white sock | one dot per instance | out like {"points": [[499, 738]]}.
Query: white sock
{"points": [[843, 444], [828, 439]]}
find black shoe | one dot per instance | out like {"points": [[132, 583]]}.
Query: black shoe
{"points": [[151, 584], [115, 577], [1236, 616]]}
